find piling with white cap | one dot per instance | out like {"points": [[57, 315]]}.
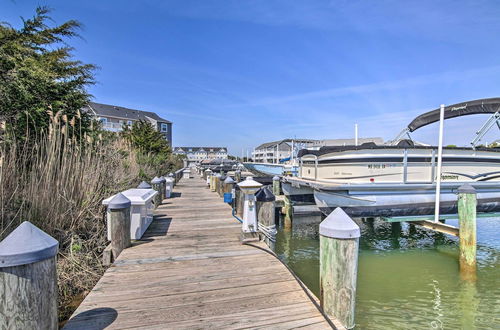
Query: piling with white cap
{"points": [[144, 185], [119, 223], [28, 279], [157, 185], [339, 245], [169, 187], [208, 174], [229, 191], [163, 187]]}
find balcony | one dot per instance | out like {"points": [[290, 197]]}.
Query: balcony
{"points": [[113, 127]]}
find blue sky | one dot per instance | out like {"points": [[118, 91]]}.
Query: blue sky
{"points": [[239, 73]]}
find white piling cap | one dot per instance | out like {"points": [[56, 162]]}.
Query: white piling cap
{"points": [[119, 202], [276, 178], [466, 188], [249, 182], [25, 245], [156, 180], [229, 180], [339, 225]]}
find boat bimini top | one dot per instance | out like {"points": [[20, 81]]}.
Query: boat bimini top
{"points": [[481, 106]]}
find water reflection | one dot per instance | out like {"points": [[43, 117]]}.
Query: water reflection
{"points": [[408, 276]]}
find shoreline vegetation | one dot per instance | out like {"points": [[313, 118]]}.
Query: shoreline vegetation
{"points": [[56, 163]]}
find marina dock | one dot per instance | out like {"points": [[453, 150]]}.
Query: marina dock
{"points": [[190, 270]]}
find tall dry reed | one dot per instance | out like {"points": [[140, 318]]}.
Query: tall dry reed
{"points": [[58, 183]]}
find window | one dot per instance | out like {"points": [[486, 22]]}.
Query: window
{"points": [[104, 121], [129, 122], [163, 128]]}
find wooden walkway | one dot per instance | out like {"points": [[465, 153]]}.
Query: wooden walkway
{"points": [[190, 271]]}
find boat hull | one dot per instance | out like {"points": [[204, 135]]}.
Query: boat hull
{"points": [[384, 201], [271, 169], [297, 193]]}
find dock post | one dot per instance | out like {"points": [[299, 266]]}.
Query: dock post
{"points": [[239, 201], [208, 173], [144, 185], [228, 190], [119, 223], [249, 227], [169, 184], [266, 215], [276, 186], [216, 182], [339, 245], [157, 185], [467, 203], [28, 279], [212, 182], [237, 176], [163, 187], [288, 212], [220, 187]]}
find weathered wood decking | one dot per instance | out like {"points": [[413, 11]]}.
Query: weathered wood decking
{"points": [[190, 271]]}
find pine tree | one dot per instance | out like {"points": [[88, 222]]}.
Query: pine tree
{"points": [[38, 73]]}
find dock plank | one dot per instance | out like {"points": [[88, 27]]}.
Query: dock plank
{"points": [[190, 271]]}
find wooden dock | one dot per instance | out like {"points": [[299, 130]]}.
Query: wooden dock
{"points": [[190, 271]]}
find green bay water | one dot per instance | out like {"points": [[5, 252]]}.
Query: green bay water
{"points": [[408, 277]]}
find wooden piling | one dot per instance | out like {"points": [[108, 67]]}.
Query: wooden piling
{"points": [[228, 185], [237, 176], [156, 183], [163, 190], [119, 220], [467, 203], [266, 215], [220, 187], [216, 182], [28, 279], [276, 186], [288, 213], [339, 245], [239, 203]]}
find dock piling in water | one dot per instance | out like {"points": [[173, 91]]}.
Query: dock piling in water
{"points": [[288, 212], [467, 203], [276, 186], [28, 279], [339, 245]]}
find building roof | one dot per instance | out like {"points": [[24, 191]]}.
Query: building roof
{"points": [[196, 149], [274, 143], [350, 142], [107, 110]]}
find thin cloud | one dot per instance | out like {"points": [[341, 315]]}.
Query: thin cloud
{"points": [[376, 87]]}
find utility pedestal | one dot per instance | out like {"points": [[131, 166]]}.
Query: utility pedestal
{"points": [[249, 230]]}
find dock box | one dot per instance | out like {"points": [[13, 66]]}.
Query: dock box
{"points": [[141, 211], [187, 174]]}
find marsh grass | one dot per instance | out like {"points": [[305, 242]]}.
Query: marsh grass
{"points": [[58, 183]]}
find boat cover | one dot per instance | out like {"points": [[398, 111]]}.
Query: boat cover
{"points": [[367, 146], [491, 105]]}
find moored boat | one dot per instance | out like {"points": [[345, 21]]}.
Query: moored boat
{"points": [[400, 179]]}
